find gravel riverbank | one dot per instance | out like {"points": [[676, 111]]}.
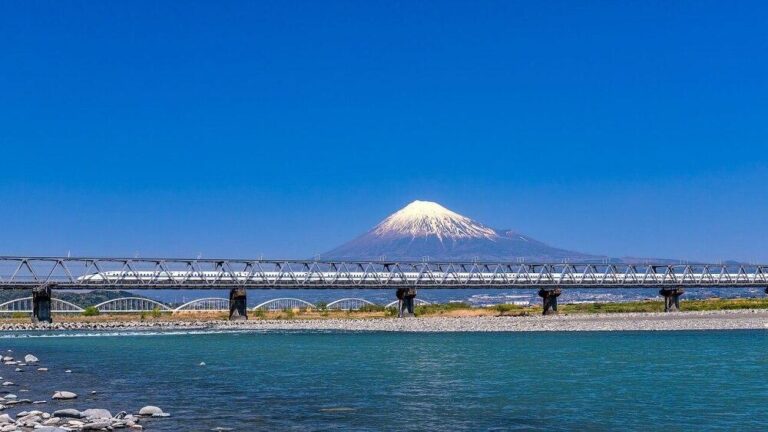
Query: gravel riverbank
{"points": [[710, 320]]}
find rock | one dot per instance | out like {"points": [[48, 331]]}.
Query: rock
{"points": [[64, 395], [150, 410], [50, 429], [39, 402], [67, 371], [42, 369], [97, 425], [67, 413], [29, 358], [19, 370], [202, 363], [5, 418], [8, 383], [96, 413]]}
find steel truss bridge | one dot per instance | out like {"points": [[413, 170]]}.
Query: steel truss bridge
{"points": [[167, 273]]}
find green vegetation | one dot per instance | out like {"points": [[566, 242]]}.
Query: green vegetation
{"points": [[371, 308], [438, 308], [90, 311], [288, 313], [658, 306], [18, 315], [259, 313], [511, 309], [321, 306], [156, 312]]}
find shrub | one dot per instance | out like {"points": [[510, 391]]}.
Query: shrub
{"points": [[19, 315], [439, 308], [156, 313], [505, 308], [90, 311], [371, 308]]}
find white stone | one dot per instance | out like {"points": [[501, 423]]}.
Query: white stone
{"points": [[29, 358], [96, 413], [64, 395], [150, 410]]}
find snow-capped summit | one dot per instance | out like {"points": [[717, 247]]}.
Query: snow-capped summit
{"points": [[426, 218], [427, 229]]}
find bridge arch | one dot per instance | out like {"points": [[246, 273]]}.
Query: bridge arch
{"points": [[284, 303], [350, 303], [25, 305], [131, 304], [205, 304], [416, 302]]}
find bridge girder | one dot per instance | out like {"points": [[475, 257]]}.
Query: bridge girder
{"points": [[170, 273]]}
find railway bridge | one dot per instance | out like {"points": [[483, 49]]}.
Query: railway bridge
{"points": [[44, 274]]}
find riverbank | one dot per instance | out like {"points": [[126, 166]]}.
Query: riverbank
{"points": [[702, 320]]}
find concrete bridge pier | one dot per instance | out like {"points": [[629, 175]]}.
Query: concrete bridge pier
{"points": [[549, 297], [238, 309], [41, 304], [405, 302], [671, 298]]}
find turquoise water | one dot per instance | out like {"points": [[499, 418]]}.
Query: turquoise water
{"points": [[381, 381]]}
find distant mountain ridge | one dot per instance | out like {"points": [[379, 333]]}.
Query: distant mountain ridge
{"points": [[425, 229]]}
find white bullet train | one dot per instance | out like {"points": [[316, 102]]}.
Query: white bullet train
{"points": [[472, 278]]}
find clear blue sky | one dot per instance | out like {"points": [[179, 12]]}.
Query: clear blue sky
{"points": [[284, 128]]}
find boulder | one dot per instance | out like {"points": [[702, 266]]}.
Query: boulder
{"points": [[150, 410], [98, 425], [29, 358], [67, 413], [64, 395], [96, 413]]}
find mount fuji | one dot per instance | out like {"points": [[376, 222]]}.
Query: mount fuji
{"points": [[427, 229]]}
